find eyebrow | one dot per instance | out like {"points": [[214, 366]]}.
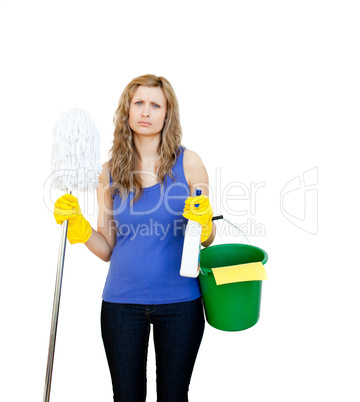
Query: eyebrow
{"points": [[142, 100]]}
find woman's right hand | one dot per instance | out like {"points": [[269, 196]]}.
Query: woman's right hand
{"points": [[67, 208]]}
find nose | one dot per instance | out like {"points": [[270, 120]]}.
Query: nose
{"points": [[146, 111]]}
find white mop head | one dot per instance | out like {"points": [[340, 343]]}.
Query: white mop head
{"points": [[75, 155]]}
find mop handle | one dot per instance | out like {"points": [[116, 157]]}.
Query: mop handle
{"points": [[55, 312]]}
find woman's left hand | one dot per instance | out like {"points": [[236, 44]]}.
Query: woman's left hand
{"points": [[201, 213]]}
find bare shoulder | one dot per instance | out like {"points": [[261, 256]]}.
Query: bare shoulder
{"points": [[104, 195], [192, 159], [195, 171], [104, 177]]}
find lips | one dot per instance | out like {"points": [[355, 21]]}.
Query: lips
{"points": [[144, 123]]}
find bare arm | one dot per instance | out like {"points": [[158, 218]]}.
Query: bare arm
{"points": [[197, 177], [102, 240]]}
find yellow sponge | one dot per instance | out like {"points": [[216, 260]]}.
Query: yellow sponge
{"points": [[253, 271]]}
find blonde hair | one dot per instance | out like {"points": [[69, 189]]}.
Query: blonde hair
{"points": [[124, 158]]}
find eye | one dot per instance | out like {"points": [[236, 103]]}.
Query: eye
{"points": [[155, 106], [138, 103]]}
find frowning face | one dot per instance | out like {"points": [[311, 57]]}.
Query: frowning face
{"points": [[147, 111]]}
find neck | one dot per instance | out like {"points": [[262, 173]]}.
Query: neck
{"points": [[147, 146]]}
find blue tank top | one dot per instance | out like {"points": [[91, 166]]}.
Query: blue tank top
{"points": [[145, 262]]}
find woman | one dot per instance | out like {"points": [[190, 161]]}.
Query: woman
{"points": [[144, 204]]}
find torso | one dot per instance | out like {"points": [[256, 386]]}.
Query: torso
{"points": [[146, 258]]}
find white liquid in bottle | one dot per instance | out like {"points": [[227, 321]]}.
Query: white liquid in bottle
{"points": [[190, 262]]}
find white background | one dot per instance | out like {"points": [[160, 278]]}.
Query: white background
{"points": [[267, 92]]}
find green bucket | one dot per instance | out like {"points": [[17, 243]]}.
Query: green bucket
{"points": [[232, 306]]}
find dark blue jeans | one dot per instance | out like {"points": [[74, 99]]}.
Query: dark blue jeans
{"points": [[178, 330]]}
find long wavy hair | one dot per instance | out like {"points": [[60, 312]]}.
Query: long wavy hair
{"points": [[124, 157]]}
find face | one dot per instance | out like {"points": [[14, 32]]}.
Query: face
{"points": [[147, 111]]}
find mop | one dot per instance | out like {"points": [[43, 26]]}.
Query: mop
{"points": [[75, 166]]}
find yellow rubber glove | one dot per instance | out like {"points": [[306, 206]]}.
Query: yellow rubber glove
{"points": [[67, 208], [202, 214]]}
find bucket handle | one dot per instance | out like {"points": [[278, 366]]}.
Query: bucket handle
{"points": [[215, 218]]}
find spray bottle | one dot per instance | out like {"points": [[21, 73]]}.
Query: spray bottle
{"points": [[190, 262]]}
